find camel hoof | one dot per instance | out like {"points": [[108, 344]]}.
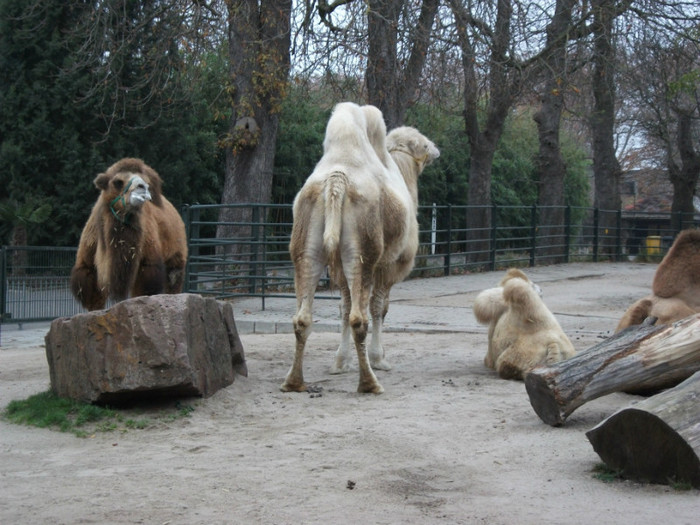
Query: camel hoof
{"points": [[287, 387], [338, 368], [376, 388], [381, 364]]}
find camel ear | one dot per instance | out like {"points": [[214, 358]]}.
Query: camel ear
{"points": [[102, 181]]}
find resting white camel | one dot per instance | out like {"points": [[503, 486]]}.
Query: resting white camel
{"points": [[356, 213], [523, 333], [490, 305]]}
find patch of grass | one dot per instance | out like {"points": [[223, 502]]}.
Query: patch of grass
{"points": [[606, 474], [46, 410], [681, 486], [138, 424]]}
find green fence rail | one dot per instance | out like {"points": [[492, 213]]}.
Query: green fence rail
{"points": [[241, 250]]}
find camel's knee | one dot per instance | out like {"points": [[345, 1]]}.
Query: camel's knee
{"points": [[359, 324], [302, 325], [359, 331]]}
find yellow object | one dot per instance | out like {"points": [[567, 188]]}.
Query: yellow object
{"points": [[653, 245]]}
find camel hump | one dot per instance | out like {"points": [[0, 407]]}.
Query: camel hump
{"points": [[335, 189]]}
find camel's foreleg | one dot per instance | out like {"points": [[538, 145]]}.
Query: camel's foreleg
{"points": [[85, 287]]}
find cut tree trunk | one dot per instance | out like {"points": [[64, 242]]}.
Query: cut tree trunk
{"points": [[658, 439], [639, 358]]}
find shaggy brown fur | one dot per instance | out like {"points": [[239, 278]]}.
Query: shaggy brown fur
{"points": [[523, 333], [134, 241], [356, 213], [676, 287]]}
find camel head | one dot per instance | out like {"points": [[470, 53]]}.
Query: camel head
{"points": [[126, 186], [413, 143]]}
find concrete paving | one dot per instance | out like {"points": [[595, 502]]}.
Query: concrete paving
{"points": [[586, 298]]}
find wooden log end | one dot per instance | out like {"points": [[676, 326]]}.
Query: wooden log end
{"points": [[543, 398], [643, 447]]}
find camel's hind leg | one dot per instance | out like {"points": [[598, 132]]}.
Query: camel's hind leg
{"points": [[360, 289], [342, 355], [368, 381], [378, 306], [305, 279]]}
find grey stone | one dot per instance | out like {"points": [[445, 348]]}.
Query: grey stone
{"points": [[162, 345]]}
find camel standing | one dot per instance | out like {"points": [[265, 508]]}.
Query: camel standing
{"points": [[134, 242], [356, 213]]}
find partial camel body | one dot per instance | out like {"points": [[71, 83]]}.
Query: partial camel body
{"points": [[676, 287], [523, 333], [134, 241], [356, 213]]}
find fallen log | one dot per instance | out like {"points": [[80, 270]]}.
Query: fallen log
{"points": [[637, 358], [658, 439]]}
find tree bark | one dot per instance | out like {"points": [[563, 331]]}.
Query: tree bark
{"points": [[656, 440], [639, 358], [503, 86], [551, 167], [684, 178], [606, 168], [259, 39], [390, 87]]}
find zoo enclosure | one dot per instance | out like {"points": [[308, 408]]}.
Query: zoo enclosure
{"points": [[252, 259]]}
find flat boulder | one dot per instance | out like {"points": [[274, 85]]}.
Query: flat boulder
{"points": [[146, 347]]}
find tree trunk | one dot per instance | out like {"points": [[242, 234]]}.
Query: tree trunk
{"points": [[606, 168], [656, 440], [551, 167], [259, 38], [502, 88], [390, 87], [639, 358], [479, 199], [684, 178], [381, 77], [18, 243]]}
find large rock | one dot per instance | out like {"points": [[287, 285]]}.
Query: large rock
{"points": [[162, 345]]}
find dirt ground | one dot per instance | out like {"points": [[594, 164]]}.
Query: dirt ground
{"points": [[448, 442]]}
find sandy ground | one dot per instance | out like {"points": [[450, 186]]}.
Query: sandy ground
{"points": [[448, 442]]}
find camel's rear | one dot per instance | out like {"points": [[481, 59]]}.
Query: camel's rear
{"points": [[356, 215]]}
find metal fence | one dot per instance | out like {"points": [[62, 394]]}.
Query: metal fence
{"points": [[241, 250]]}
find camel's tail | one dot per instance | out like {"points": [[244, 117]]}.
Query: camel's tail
{"points": [[336, 187]]}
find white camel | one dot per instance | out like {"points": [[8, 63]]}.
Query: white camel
{"points": [[356, 213]]}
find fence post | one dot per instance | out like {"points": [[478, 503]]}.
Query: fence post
{"points": [[433, 228], [187, 219], [448, 258], [618, 239], [567, 233], [494, 226], [263, 273], [533, 235], [254, 238], [3, 283], [595, 234]]}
